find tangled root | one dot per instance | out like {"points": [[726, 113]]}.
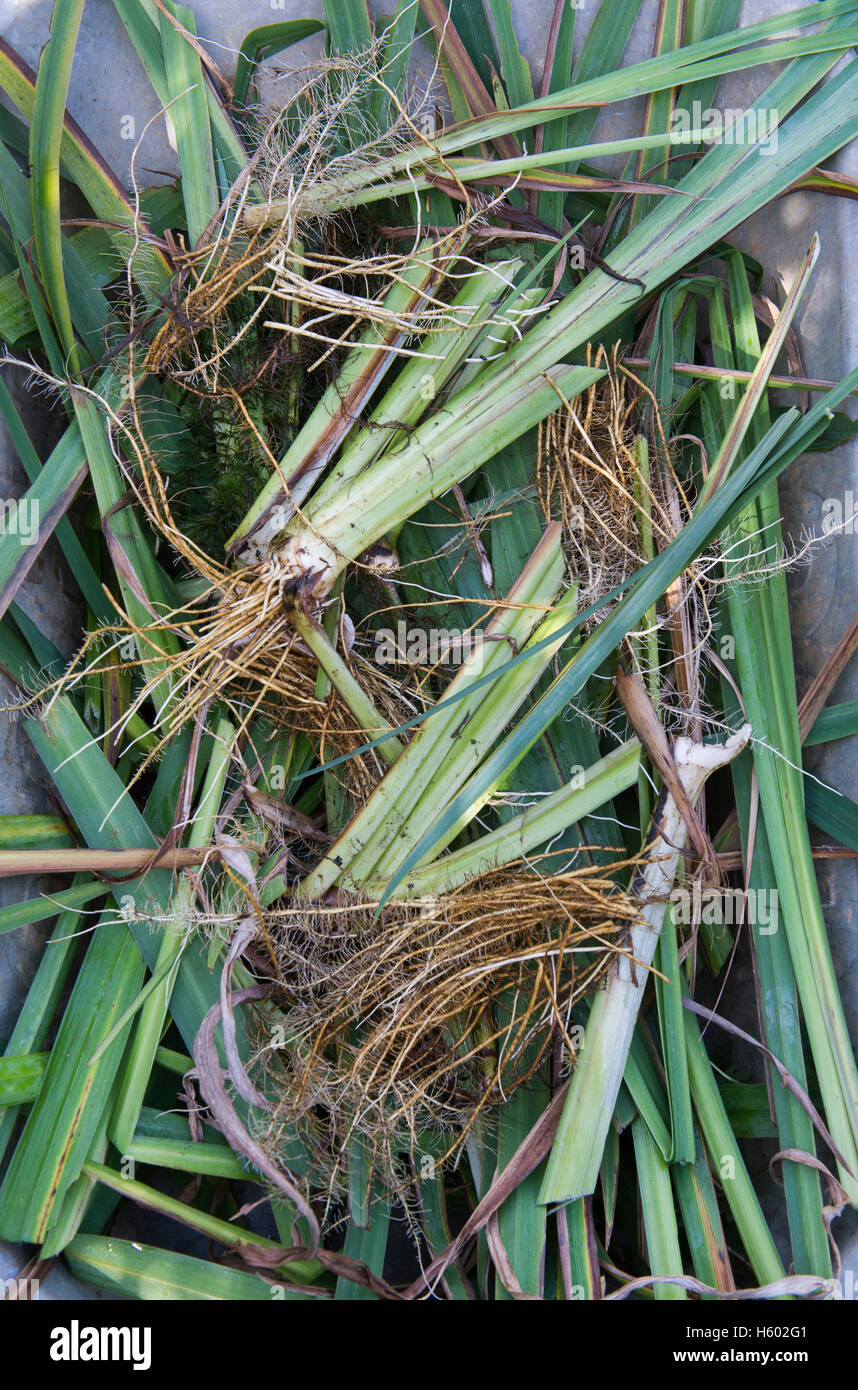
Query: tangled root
{"points": [[421, 1019], [589, 476], [620, 503], [240, 651], [291, 246]]}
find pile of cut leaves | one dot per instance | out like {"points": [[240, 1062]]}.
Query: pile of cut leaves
{"points": [[430, 563]]}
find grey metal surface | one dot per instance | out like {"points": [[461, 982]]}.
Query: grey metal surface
{"points": [[108, 85]]}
